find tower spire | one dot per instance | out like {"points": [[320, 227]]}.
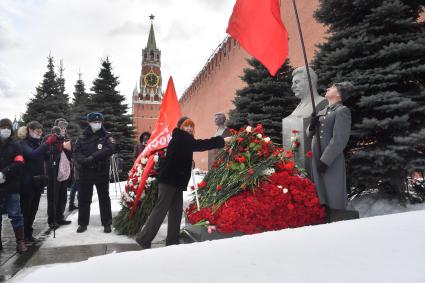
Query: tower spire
{"points": [[135, 91], [151, 40]]}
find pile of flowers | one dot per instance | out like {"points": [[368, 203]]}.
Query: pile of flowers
{"points": [[128, 222], [255, 186]]}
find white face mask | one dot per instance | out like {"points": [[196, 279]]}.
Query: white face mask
{"points": [[95, 126], [5, 133], [34, 135]]}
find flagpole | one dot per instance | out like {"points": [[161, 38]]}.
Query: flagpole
{"points": [[294, 4]]}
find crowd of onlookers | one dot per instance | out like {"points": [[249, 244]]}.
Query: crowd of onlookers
{"points": [[31, 163]]}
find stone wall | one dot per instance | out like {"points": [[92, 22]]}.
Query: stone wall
{"points": [[215, 86]]}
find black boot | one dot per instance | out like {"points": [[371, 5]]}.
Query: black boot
{"points": [[81, 229], [107, 229], [29, 240], [72, 207], [64, 222], [20, 242]]}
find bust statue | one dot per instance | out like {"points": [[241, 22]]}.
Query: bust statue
{"points": [[222, 130], [301, 89], [299, 119], [220, 120]]}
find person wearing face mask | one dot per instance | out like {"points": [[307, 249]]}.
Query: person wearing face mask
{"points": [[11, 163], [173, 180], [93, 150], [33, 177], [58, 167]]}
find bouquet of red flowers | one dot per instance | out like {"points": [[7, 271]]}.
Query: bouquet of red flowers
{"points": [[255, 186]]}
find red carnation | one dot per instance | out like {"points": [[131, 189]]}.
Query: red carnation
{"points": [[218, 188], [297, 143], [192, 188], [289, 166], [251, 171], [202, 184], [240, 139], [294, 131], [289, 154], [309, 154], [240, 158]]}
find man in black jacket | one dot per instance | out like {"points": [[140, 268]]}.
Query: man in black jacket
{"points": [[173, 179], [92, 153], [11, 162]]}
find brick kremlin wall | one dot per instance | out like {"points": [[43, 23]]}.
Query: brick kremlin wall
{"points": [[214, 87]]}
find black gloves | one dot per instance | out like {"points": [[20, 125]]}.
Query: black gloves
{"points": [[87, 160], [321, 167], [314, 123]]}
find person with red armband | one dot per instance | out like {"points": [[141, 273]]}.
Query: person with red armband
{"points": [[11, 163]]}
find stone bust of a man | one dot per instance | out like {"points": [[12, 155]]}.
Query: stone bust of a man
{"points": [[301, 89], [220, 120], [222, 130]]}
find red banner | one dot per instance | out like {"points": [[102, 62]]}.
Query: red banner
{"points": [[169, 115], [257, 26]]}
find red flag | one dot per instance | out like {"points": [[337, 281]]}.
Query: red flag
{"points": [[258, 27], [169, 115]]}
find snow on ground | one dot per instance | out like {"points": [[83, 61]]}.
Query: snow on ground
{"points": [[375, 249], [67, 236], [374, 205]]}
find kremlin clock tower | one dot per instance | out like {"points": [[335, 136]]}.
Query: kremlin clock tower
{"points": [[147, 95]]}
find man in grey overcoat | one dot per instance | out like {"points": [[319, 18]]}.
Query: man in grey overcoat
{"points": [[334, 126]]}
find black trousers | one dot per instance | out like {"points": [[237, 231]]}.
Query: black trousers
{"points": [[170, 200], [29, 208], [56, 201], [84, 201]]}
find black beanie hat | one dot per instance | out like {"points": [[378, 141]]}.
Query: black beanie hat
{"points": [[181, 121], [6, 123], [345, 89]]}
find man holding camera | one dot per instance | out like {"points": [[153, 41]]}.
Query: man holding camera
{"points": [[58, 172], [92, 153]]}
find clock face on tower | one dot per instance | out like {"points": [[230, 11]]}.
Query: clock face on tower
{"points": [[151, 79]]}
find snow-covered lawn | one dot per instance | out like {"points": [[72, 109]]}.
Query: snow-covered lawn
{"points": [[67, 236], [376, 249], [373, 249]]}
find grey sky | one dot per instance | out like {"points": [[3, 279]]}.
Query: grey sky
{"points": [[82, 32]]}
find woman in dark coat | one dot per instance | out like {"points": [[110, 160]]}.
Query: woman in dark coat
{"points": [[33, 178], [173, 179]]}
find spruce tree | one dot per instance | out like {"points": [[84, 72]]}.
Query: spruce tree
{"points": [[50, 101], [380, 47], [79, 108], [265, 100], [107, 100]]}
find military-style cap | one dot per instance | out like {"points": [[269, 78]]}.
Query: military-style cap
{"points": [[94, 116]]}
